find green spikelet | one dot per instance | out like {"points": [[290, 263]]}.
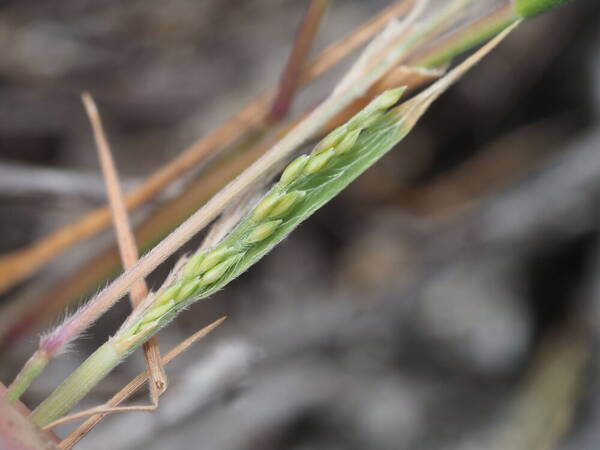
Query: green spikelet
{"points": [[192, 267], [262, 231], [266, 205], [213, 258], [286, 203], [332, 139], [293, 170], [347, 143], [318, 161], [218, 271]]}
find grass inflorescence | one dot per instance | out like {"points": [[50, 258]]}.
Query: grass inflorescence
{"points": [[304, 186]]}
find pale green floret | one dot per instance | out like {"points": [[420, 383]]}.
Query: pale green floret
{"points": [[293, 170], [331, 140], [375, 110], [387, 99], [286, 203], [263, 231], [192, 267], [157, 311], [265, 206], [168, 294], [147, 326], [347, 143], [213, 258], [365, 119], [219, 270], [188, 290], [318, 162]]}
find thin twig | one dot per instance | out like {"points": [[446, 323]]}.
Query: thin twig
{"points": [[293, 69], [126, 241], [134, 385]]}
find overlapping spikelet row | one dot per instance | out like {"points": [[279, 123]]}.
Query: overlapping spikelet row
{"points": [[207, 268]]}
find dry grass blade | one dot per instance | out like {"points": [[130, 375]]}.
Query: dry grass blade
{"points": [[133, 386], [293, 69], [126, 240], [18, 265]]}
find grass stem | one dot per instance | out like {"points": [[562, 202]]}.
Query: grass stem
{"points": [[30, 371], [78, 384]]}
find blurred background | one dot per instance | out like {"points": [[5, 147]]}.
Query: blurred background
{"points": [[448, 299]]}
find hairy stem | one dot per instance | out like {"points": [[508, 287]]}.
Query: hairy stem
{"points": [[78, 384], [32, 368]]}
